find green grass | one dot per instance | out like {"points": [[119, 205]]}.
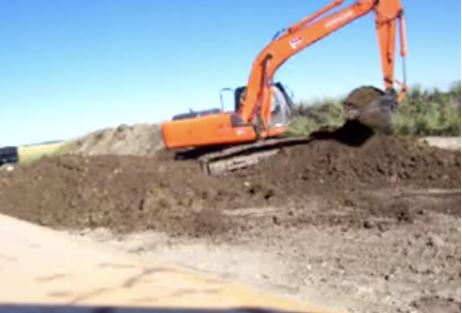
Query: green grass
{"points": [[422, 113], [30, 154]]}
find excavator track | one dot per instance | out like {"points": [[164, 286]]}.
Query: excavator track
{"points": [[238, 157]]}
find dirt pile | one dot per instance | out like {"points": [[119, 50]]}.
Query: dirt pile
{"points": [[329, 164], [137, 140], [135, 193], [122, 193]]}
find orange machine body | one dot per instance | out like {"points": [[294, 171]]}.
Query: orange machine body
{"points": [[252, 119], [214, 129]]}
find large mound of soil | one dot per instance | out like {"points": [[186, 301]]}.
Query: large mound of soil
{"points": [[135, 193], [137, 140]]}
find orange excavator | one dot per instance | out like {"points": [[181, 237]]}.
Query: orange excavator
{"points": [[263, 108]]}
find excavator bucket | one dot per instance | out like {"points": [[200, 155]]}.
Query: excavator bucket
{"points": [[371, 107]]}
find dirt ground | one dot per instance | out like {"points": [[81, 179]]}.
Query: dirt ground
{"points": [[371, 228]]}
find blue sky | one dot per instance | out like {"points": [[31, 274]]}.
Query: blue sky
{"points": [[71, 66]]}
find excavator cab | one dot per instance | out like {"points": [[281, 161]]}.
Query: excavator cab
{"points": [[281, 104], [219, 127]]}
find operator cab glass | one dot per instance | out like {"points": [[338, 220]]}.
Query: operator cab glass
{"points": [[281, 104], [281, 107]]}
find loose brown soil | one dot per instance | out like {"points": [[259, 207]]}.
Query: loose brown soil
{"points": [[330, 185], [131, 193]]}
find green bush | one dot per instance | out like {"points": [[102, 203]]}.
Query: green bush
{"points": [[312, 116], [422, 113], [427, 113]]}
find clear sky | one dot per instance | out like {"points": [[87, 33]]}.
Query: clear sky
{"points": [[71, 66]]}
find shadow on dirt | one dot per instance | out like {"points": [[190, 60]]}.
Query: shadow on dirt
{"points": [[353, 133]]}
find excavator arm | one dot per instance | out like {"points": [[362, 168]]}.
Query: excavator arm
{"points": [[388, 13], [252, 120]]}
